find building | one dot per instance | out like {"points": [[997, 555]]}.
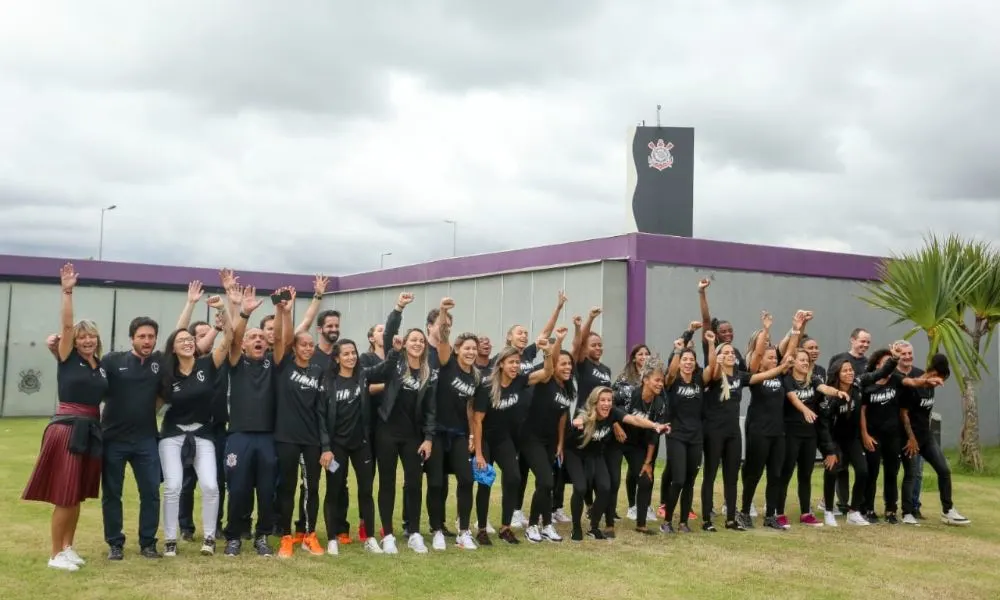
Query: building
{"points": [[646, 284]]}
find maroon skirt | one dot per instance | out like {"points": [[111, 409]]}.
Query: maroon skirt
{"points": [[61, 477]]}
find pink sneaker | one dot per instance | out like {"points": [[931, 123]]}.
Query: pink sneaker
{"points": [[810, 520], [783, 522]]}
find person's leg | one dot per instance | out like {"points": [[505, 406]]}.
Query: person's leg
{"points": [[288, 466], [435, 483], [753, 468], [644, 487], [677, 451], [266, 461], [387, 458], [185, 509], [666, 478], [204, 466], [906, 489], [115, 455], [483, 493], [577, 475], [145, 461], [830, 479], [525, 469], [774, 465], [891, 449], [918, 480], [691, 472], [613, 455], [458, 458], [334, 489], [173, 480], [311, 479], [854, 454], [343, 525], [413, 481], [240, 474], [806, 462], [792, 445], [602, 490], [505, 455], [713, 457], [874, 460], [631, 479], [536, 455], [731, 450], [364, 465], [843, 490], [219, 438], [935, 458]]}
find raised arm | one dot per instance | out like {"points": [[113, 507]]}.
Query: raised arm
{"points": [[706, 315], [221, 352], [379, 372], [283, 334], [248, 303], [193, 296], [234, 292], [444, 331], [67, 279], [766, 320], [312, 311], [675, 362], [581, 350], [395, 319], [550, 325], [781, 369], [542, 375], [206, 343], [577, 340], [802, 318], [710, 371]]}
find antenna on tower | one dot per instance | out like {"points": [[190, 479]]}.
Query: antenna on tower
{"points": [[658, 107]]}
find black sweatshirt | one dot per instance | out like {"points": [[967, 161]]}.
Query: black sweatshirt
{"points": [[426, 401]]}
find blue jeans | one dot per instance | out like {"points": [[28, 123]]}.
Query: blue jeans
{"points": [[918, 479], [250, 464], [144, 457]]}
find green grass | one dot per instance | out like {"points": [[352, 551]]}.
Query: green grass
{"points": [[933, 561]]}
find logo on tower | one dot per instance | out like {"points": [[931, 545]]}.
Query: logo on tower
{"points": [[659, 155]]}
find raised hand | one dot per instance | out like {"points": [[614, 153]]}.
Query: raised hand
{"points": [[709, 337], [799, 319], [397, 343], [562, 299], [52, 342], [249, 301], [227, 278], [319, 285], [766, 319], [843, 395], [287, 304], [68, 277], [595, 312], [577, 321], [234, 293], [404, 299], [561, 333], [703, 284], [214, 302], [678, 344], [808, 316], [220, 322], [694, 326], [447, 304], [542, 343], [194, 291]]}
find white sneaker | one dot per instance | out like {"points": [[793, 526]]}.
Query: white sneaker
{"points": [[332, 548], [650, 514], [518, 520], [371, 545], [856, 518], [952, 517], [631, 513], [389, 545], [549, 532], [60, 561], [489, 529], [532, 533], [561, 517], [416, 543], [753, 511], [465, 541], [73, 557], [910, 520], [437, 542], [829, 520]]}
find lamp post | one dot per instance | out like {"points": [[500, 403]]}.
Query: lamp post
{"points": [[381, 259], [454, 236], [100, 244]]}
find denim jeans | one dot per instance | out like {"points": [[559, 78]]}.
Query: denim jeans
{"points": [[144, 457]]}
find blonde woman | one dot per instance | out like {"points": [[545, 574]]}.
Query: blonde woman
{"points": [[584, 455], [68, 469]]}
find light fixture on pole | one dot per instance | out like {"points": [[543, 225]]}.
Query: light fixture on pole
{"points": [[381, 259], [100, 244], [454, 236]]}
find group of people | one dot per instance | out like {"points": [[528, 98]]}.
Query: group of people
{"points": [[262, 412]]}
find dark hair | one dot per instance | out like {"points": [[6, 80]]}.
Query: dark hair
{"points": [[371, 337], [805, 338], [857, 332], [833, 375], [326, 314], [193, 327], [335, 356], [876, 358], [939, 364], [263, 322], [432, 316], [169, 372], [630, 374], [716, 323], [570, 384], [142, 322]]}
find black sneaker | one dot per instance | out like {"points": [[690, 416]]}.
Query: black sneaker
{"points": [[233, 547], [483, 538], [150, 552], [772, 523], [508, 536], [735, 525], [744, 520], [596, 534], [577, 534], [920, 517], [262, 547], [683, 528], [708, 526], [247, 535], [208, 546], [667, 527], [116, 553], [609, 533], [890, 518], [871, 517], [447, 532], [187, 535], [170, 548]]}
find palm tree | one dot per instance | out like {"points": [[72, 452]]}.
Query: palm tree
{"points": [[936, 288]]}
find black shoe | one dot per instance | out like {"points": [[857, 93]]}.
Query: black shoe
{"points": [[247, 535], [187, 535], [483, 538], [890, 518], [683, 528], [918, 516], [596, 534], [447, 532], [667, 527], [577, 535], [233, 547], [262, 547], [508, 536], [744, 520], [116, 553], [871, 517], [169, 548], [708, 526], [150, 552], [609, 533], [772, 523], [735, 525]]}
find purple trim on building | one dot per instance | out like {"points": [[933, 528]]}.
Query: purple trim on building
{"points": [[635, 303], [93, 271]]}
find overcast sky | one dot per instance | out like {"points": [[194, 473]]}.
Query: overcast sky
{"points": [[312, 136]]}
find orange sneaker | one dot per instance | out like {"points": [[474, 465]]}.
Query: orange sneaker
{"points": [[287, 547], [310, 543], [297, 537], [344, 538]]}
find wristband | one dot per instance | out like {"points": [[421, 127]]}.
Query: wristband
{"points": [[219, 329], [317, 296], [244, 315]]}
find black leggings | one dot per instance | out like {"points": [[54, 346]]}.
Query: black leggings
{"points": [[560, 479], [642, 496], [450, 453], [288, 469], [587, 472], [850, 454], [389, 451], [887, 450], [932, 456], [361, 460], [614, 454], [800, 454], [684, 460], [502, 452], [721, 448], [539, 456], [763, 451]]}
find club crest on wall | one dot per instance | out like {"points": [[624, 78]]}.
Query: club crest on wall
{"points": [[659, 155], [30, 382]]}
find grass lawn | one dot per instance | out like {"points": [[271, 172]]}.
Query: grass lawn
{"points": [[932, 561]]}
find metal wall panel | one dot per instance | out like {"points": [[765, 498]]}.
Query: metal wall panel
{"points": [[515, 305], [5, 291], [34, 314], [613, 319], [488, 313], [162, 307]]}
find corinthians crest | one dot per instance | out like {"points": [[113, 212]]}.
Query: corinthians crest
{"points": [[659, 155], [31, 381]]}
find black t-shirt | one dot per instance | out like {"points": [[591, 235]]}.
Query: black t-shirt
{"points": [[503, 421], [602, 436], [321, 359], [820, 372], [765, 415], [686, 408], [404, 422], [252, 395], [190, 399], [549, 402], [722, 416], [590, 375], [348, 430], [882, 414], [130, 404], [629, 398], [795, 422], [79, 383], [297, 390], [220, 401], [919, 404], [859, 363], [455, 389]]}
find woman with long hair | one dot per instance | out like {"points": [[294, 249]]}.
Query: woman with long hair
{"points": [[645, 399], [187, 388], [631, 373], [68, 468], [345, 432], [765, 427], [685, 385], [498, 409], [585, 459], [405, 430], [458, 379]]}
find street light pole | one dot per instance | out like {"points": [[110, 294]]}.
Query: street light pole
{"points": [[381, 259], [454, 236], [100, 244]]}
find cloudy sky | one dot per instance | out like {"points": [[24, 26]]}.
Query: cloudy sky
{"points": [[313, 136]]}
